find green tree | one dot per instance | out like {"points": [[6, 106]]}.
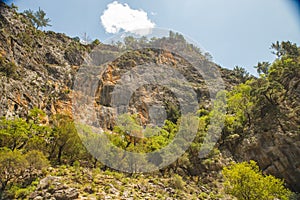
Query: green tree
{"points": [[12, 166], [262, 68], [241, 73], [38, 18], [14, 134], [285, 49], [276, 92], [95, 143], [240, 105], [36, 115], [245, 181], [36, 160], [17, 133], [129, 129], [173, 112], [14, 7], [64, 140]]}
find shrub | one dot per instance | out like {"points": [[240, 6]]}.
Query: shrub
{"points": [[246, 182], [8, 69], [12, 167], [36, 160], [177, 181]]}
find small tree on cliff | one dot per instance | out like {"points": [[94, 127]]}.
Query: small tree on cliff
{"points": [[38, 18]]}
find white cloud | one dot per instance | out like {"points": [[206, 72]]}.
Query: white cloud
{"points": [[119, 17]]}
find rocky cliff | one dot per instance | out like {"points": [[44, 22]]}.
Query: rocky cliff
{"points": [[38, 70], [37, 67]]}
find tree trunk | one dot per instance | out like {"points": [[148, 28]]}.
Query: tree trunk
{"points": [[60, 149], [95, 163], [3, 186]]}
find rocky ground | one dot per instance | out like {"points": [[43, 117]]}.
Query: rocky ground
{"points": [[66, 183]]}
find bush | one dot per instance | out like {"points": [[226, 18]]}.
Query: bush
{"points": [[18, 191], [246, 182], [8, 69], [177, 182], [36, 160], [12, 167], [96, 42]]}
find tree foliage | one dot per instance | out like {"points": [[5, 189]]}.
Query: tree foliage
{"points": [[38, 18], [272, 97], [12, 165], [9, 69], [241, 73], [246, 182], [64, 140], [14, 134]]}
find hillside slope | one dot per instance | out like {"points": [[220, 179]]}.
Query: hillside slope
{"points": [[38, 70]]}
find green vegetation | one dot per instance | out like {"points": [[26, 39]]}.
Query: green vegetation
{"points": [[65, 142], [178, 183], [260, 101], [246, 182], [13, 167], [27, 145], [38, 18], [264, 104], [8, 69], [130, 136], [241, 73], [14, 7], [176, 39], [31, 144]]}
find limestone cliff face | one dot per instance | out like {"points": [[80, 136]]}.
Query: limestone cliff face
{"points": [[149, 97], [42, 67], [274, 140], [276, 152]]}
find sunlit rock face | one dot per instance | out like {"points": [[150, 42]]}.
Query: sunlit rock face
{"points": [[44, 65], [277, 153]]}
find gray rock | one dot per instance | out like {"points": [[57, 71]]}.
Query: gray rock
{"points": [[38, 198], [49, 180], [51, 187], [67, 194], [71, 193]]}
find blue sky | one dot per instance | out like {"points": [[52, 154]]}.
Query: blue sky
{"points": [[235, 32]]}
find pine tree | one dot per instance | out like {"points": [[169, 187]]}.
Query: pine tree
{"points": [[38, 18]]}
